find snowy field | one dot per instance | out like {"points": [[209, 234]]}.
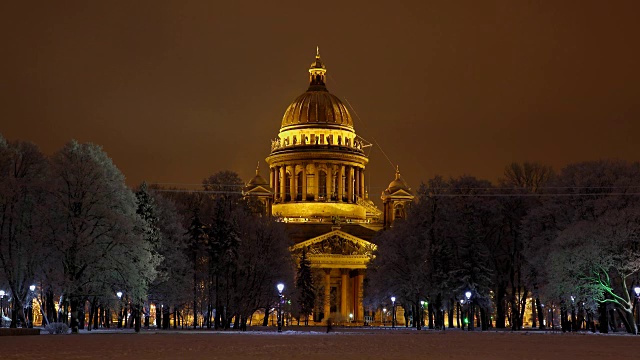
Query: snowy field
{"points": [[314, 343]]}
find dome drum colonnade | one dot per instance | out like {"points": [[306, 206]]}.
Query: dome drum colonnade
{"points": [[317, 157]]}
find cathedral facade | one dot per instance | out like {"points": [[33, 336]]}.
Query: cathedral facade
{"points": [[317, 188]]}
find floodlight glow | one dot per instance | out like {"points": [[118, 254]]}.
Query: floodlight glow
{"points": [[280, 287], [468, 295], [637, 290], [32, 288], [393, 299], [119, 294]]}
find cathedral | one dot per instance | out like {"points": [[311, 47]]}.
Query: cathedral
{"points": [[317, 188]]}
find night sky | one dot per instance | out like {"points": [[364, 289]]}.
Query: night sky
{"points": [[176, 91]]}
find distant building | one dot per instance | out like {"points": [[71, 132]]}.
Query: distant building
{"points": [[317, 187]]}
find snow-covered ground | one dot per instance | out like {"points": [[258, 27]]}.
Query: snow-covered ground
{"points": [[315, 343]]}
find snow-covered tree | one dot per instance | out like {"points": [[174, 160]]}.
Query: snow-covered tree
{"points": [[583, 235], [23, 171], [96, 236]]}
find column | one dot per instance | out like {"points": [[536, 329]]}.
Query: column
{"points": [[316, 182], [344, 310], [276, 183], [283, 180], [349, 184], [356, 173], [294, 183], [330, 181], [360, 306], [304, 182], [290, 170], [327, 182], [340, 183], [271, 184], [362, 190], [327, 293]]}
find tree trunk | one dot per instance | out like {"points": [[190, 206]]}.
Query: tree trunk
{"points": [[92, 310], [50, 305], [523, 306], [430, 314], [627, 319], [137, 320], [175, 317], [159, 316], [500, 310], [417, 314], [95, 316], [451, 306], [265, 320], [166, 318], [81, 314], [483, 317], [74, 315], [540, 312]]}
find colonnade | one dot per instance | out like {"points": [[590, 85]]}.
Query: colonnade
{"points": [[342, 183], [351, 285]]}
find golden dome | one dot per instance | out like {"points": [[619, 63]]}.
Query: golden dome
{"points": [[317, 106]]}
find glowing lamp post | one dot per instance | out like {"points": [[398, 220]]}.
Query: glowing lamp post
{"points": [[32, 288], [2, 294], [384, 316], [421, 320], [393, 314], [573, 313], [467, 295], [119, 295], [280, 287], [637, 291]]}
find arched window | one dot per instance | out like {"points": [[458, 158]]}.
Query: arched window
{"points": [[299, 187], [398, 211], [287, 188], [322, 185]]}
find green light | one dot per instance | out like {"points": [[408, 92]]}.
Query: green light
{"points": [[289, 302], [466, 320]]}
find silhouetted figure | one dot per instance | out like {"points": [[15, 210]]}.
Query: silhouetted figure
{"points": [[329, 325]]}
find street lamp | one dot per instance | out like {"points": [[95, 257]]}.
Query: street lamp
{"points": [[2, 294], [280, 287], [573, 314], [384, 316], [32, 288], [119, 295], [421, 320], [470, 305], [393, 315], [637, 291]]}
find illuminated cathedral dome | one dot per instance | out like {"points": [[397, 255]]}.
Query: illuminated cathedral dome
{"points": [[317, 107]]}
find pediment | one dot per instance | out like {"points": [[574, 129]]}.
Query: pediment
{"points": [[262, 190], [335, 242], [401, 193]]}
